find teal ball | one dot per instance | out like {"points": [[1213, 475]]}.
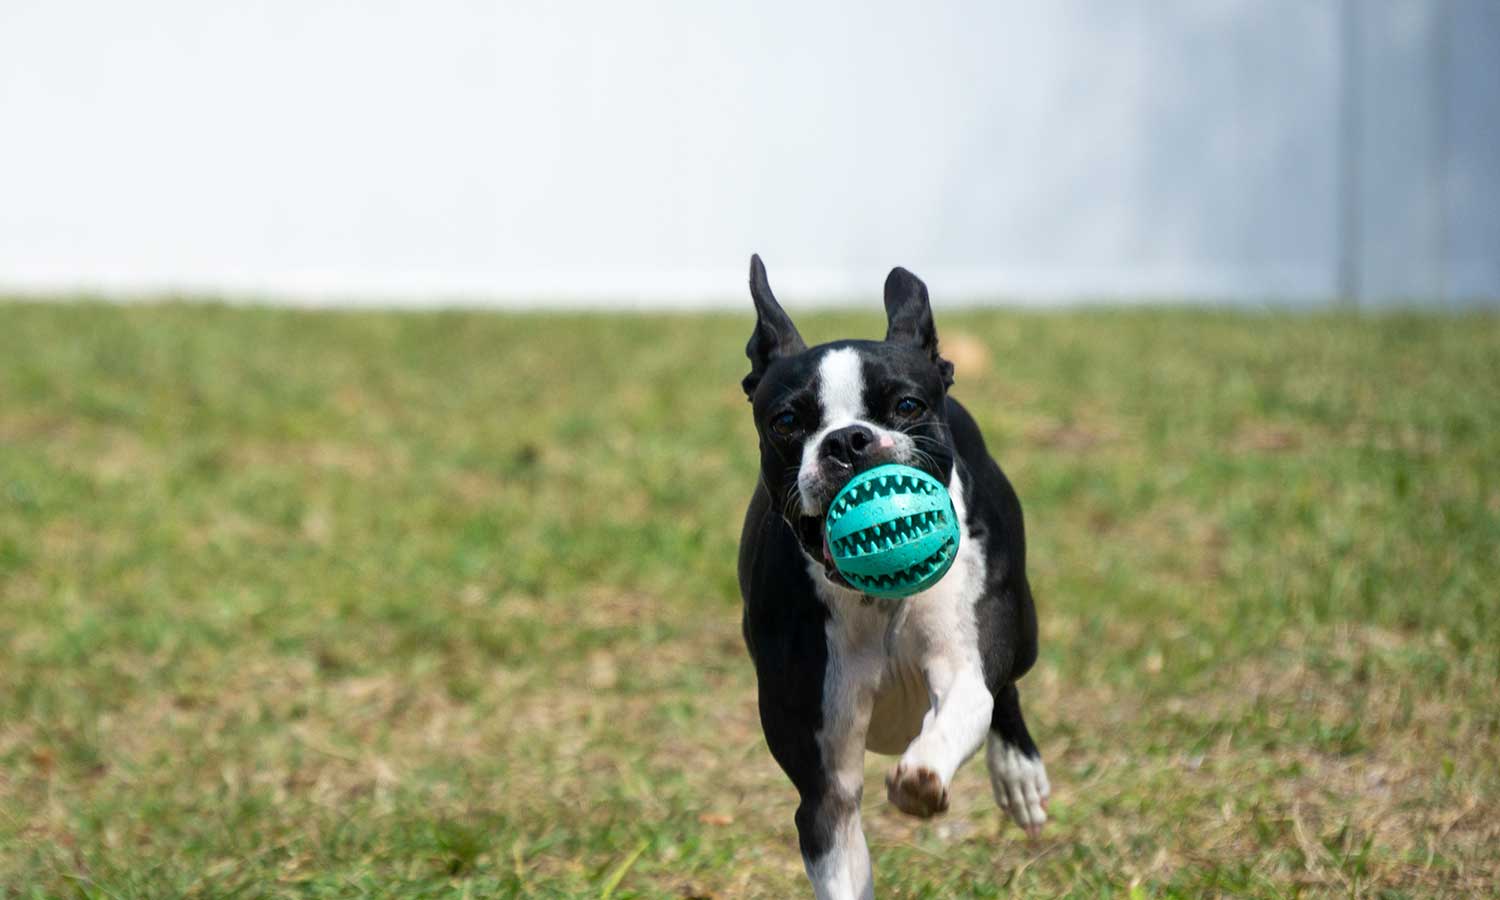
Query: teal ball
{"points": [[892, 531]]}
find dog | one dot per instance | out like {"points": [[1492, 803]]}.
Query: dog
{"points": [[928, 678]]}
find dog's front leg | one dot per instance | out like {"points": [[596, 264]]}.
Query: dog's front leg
{"points": [[952, 730], [832, 838], [816, 730], [829, 813]]}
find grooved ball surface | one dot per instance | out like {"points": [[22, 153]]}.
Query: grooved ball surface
{"points": [[892, 531]]}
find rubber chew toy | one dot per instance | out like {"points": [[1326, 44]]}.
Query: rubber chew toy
{"points": [[892, 531]]}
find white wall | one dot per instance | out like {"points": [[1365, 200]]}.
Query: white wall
{"points": [[614, 153]]}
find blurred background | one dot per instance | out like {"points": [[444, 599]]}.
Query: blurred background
{"points": [[610, 154]]}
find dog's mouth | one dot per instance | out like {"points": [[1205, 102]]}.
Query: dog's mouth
{"points": [[813, 535]]}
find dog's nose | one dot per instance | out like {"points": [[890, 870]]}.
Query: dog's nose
{"points": [[848, 445]]}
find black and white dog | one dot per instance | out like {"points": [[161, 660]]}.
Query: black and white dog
{"points": [[930, 677]]}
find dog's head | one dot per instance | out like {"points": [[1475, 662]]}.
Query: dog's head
{"points": [[827, 413]]}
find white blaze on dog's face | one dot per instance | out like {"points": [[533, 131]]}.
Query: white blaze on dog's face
{"points": [[838, 449]]}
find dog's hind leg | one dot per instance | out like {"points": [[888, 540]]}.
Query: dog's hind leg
{"points": [[1017, 775]]}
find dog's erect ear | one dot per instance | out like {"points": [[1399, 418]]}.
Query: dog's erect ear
{"points": [[908, 317], [775, 336]]}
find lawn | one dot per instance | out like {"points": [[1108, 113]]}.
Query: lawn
{"points": [[377, 604]]}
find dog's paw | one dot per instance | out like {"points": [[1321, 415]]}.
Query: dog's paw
{"points": [[1020, 785], [916, 791]]}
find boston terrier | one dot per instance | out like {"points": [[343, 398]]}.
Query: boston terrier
{"points": [[928, 678]]}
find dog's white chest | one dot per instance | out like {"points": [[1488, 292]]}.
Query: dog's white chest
{"points": [[901, 703], [879, 647]]}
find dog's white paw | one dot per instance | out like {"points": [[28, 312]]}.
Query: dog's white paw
{"points": [[916, 790], [1020, 785]]}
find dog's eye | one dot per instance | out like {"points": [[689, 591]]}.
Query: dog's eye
{"points": [[784, 423], [909, 407]]}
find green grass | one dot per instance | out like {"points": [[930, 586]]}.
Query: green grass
{"points": [[301, 604]]}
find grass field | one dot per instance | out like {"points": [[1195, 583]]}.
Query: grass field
{"points": [[302, 604]]}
